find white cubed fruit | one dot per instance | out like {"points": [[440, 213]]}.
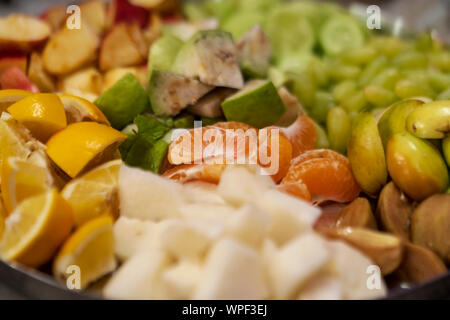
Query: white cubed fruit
{"points": [[139, 277], [232, 271], [203, 192], [289, 216], [147, 196], [322, 287], [179, 281], [188, 239], [357, 273], [128, 233], [239, 184], [217, 213], [295, 263], [249, 224]]}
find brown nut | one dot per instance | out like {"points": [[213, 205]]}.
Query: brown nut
{"points": [[394, 211], [419, 264], [384, 249], [430, 225], [357, 214]]}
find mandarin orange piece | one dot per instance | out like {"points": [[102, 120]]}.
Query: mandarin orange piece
{"points": [[184, 173], [297, 189], [302, 134], [319, 154]]}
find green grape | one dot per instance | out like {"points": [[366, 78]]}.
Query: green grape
{"points": [[323, 101], [410, 60], [378, 96], [387, 78], [356, 102], [339, 72], [344, 90], [407, 88], [438, 80], [322, 138], [338, 127], [444, 95], [372, 69], [359, 56], [303, 87], [440, 60]]}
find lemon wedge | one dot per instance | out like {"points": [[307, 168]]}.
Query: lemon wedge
{"points": [[34, 231], [79, 109], [24, 178], [83, 145], [91, 249], [10, 96], [2, 218], [94, 193], [42, 113]]}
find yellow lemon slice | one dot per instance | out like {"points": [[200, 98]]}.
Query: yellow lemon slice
{"points": [[42, 113], [94, 193], [2, 218], [89, 252], [24, 178], [10, 96], [83, 145], [79, 109], [35, 230]]}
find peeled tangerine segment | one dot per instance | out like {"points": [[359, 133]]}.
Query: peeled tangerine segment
{"points": [[430, 121], [366, 154], [36, 229], [91, 249], [91, 142], [210, 56], [257, 97], [43, 114], [416, 166]]}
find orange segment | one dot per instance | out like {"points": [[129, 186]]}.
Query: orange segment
{"points": [[302, 134], [326, 179], [192, 172], [297, 189], [318, 154]]}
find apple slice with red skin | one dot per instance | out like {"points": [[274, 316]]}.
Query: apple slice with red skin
{"points": [[7, 61], [15, 78], [21, 33], [123, 11]]}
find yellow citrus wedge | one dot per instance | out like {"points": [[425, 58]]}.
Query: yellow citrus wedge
{"points": [[2, 218], [10, 96], [94, 193], [24, 178], [91, 249], [42, 113], [79, 109], [35, 230], [83, 145]]}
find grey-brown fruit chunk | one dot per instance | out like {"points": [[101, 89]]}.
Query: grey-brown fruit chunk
{"points": [[210, 105], [419, 265], [384, 249], [394, 211], [254, 52], [357, 214], [430, 225]]}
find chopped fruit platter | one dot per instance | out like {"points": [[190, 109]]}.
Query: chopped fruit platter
{"points": [[223, 150]]}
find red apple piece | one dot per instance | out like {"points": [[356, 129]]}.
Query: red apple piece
{"points": [[8, 61], [15, 78]]}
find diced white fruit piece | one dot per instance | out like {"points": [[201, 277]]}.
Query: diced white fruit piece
{"points": [[351, 267], [208, 212], [232, 271], [322, 287], [249, 224], [289, 216], [180, 281], [128, 233], [295, 263], [239, 185], [185, 239], [203, 192], [145, 195], [139, 277], [87, 80]]}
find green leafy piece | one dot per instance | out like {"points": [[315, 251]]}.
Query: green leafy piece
{"points": [[123, 101], [211, 121], [153, 127], [184, 121]]}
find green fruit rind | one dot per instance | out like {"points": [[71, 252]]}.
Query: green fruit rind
{"points": [[416, 166], [446, 149], [430, 121], [366, 154], [393, 119]]}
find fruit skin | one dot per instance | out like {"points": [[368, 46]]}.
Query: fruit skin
{"points": [[37, 74], [15, 78], [91, 142], [7, 61], [430, 225], [416, 166], [430, 121], [257, 97], [163, 53], [52, 231], [394, 211], [446, 149], [366, 154], [123, 101], [123, 11], [357, 214], [43, 114], [394, 118]]}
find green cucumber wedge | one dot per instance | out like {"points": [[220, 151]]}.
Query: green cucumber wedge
{"points": [[211, 57], [170, 93], [257, 104], [163, 53], [341, 33]]}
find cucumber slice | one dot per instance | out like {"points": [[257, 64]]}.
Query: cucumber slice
{"points": [[254, 52], [163, 53], [241, 22], [257, 104], [170, 93], [341, 33], [211, 57], [289, 32]]}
